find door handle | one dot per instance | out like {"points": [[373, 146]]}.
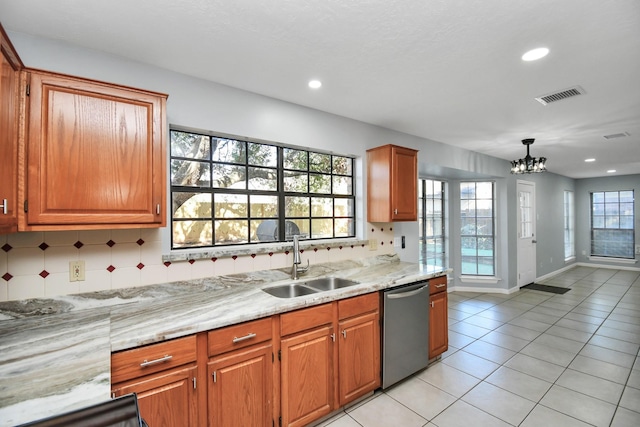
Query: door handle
{"points": [[534, 241]]}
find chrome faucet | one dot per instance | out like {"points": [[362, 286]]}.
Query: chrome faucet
{"points": [[296, 259]]}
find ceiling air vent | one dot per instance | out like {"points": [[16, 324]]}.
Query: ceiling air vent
{"points": [[617, 135], [560, 95]]}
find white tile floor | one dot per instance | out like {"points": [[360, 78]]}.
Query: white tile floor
{"points": [[527, 359]]}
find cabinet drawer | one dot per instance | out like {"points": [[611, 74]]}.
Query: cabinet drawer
{"points": [[153, 358], [358, 305], [438, 284], [306, 318], [239, 336]]}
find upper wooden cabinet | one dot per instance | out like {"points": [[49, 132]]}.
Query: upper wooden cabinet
{"points": [[9, 107], [94, 154], [392, 184]]}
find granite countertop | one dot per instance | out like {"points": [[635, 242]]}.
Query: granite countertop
{"points": [[55, 353]]}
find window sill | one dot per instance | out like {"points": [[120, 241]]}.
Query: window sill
{"points": [[616, 260], [569, 260], [266, 248], [479, 279]]}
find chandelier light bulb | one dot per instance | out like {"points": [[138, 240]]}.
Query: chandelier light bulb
{"points": [[528, 164]]}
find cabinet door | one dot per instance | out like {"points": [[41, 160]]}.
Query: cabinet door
{"points": [[359, 355], [307, 376], [404, 184], [9, 84], [95, 154], [241, 388], [165, 399], [438, 325]]}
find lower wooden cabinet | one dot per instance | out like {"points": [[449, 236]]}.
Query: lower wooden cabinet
{"points": [[285, 370], [164, 376], [359, 347], [307, 376], [241, 388], [240, 375], [438, 317], [321, 369], [165, 399]]}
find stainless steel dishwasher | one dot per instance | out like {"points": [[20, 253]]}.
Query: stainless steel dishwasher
{"points": [[405, 331]]}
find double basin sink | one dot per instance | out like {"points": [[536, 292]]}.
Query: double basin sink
{"points": [[308, 287]]}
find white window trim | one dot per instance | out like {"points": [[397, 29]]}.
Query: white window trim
{"points": [[479, 279], [616, 260]]}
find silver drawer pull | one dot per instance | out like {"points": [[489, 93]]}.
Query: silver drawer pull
{"points": [[146, 363], [441, 286], [246, 337], [4, 206]]}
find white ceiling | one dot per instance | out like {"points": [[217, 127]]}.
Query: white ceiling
{"points": [[446, 70]]}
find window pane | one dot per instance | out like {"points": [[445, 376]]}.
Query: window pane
{"points": [[302, 225], [191, 205], [263, 206], [264, 231], [192, 233], [320, 162], [321, 228], [342, 185], [295, 159], [190, 174], [296, 182], [262, 154], [230, 206], [626, 196], [296, 206], [342, 165], [626, 209], [228, 176], [319, 183], [598, 197], [191, 145], [611, 209], [321, 206], [344, 227], [263, 179], [343, 207], [611, 196], [598, 221], [229, 151], [231, 231], [476, 227]]}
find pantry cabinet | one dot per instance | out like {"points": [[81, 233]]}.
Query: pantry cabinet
{"points": [[9, 125], [392, 184], [240, 375], [164, 376], [94, 153], [438, 317]]}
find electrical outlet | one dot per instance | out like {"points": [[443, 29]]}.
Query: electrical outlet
{"points": [[373, 245], [76, 271]]}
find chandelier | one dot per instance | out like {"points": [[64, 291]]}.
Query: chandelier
{"points": [[528, 164]]}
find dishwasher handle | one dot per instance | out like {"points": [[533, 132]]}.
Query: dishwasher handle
{"points": [[407, 294]]}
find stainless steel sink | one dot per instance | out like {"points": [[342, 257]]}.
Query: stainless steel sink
{"points": [[290, 290], [328, 283], [308, 287]]}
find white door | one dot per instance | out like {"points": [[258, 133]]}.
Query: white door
{"points": [[526, 232]]}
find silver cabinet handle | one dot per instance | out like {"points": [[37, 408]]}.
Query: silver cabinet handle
{"points": [[442, 285], [4, 206], [344, 333], [395, 211], [246, 337], [407, 294], [158, 209], [431, 304], [166, 358], [333, 337]]}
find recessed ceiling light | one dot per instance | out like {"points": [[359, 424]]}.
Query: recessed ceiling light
{"points": [[611, 171], [315, 84], [589, 160], [534, 54]]}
